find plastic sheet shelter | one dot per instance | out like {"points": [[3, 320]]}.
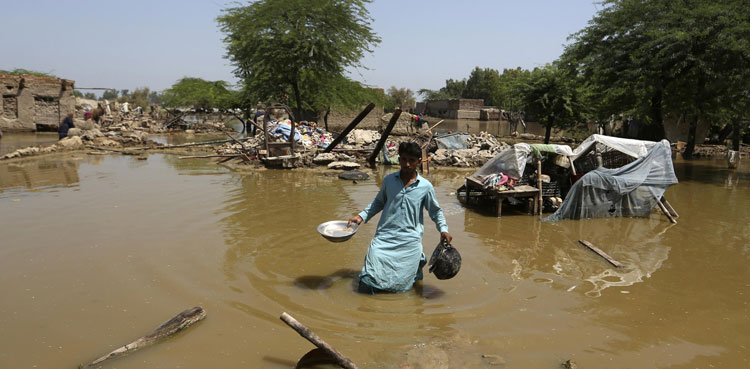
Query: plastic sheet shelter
{"points": [[512, 161], [631, 190], [634, 148]]}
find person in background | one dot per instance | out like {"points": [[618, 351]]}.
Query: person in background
{"points": [[395, 259], [67, 124]]}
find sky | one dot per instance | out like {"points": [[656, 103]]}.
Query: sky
{"points": [[154, 43]]}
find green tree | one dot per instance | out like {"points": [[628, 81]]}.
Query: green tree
{"points": [[109, 95], [660, 58], [402, 98], [296, 47], [553, 97], [139, 97], [198, 93], [20, 71], [154, 97], [90, 96], [509, 94], [484, 84], [124, 95], [77, 93], [454, 89]]}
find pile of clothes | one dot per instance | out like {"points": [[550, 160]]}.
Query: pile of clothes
{"points": [[498, 181]]}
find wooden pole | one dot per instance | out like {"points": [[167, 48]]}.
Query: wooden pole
{"points": [[669, 207], [350, 127], [436, 124], [209, 156], [666, 212], [572, 166], [599, 160], [539, 181], [192, 144], [425, 161], [601, 253], [384, 136], [317, 341]]}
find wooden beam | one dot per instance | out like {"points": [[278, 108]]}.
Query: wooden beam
{"points": [[384, 136], [666, 212], [601, 253], [305, 332], [669, 207], [209, 156], [350, 127], [540, 203]]}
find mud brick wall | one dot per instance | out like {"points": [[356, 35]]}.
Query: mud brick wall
{"points": [[32, 102], [47, 111], [10, 107]]}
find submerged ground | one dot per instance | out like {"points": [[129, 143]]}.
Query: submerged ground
{"points": [[96, 251]]}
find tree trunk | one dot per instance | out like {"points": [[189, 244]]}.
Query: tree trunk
{"points": [[547, 133], [656, 116], [690, 148], [736, 134], [298, 98], [325, 118], [244, 124]]}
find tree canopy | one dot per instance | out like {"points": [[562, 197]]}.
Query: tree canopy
{"points": [[402, 98], [553, 98], [499, 90], [198, 93], [653, 59], [297, 48]]}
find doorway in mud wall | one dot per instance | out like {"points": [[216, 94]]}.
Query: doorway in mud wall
{"points": [[47, 113], [10, 107]]}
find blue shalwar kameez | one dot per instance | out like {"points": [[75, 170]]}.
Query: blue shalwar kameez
{"points": [[395, 258]]}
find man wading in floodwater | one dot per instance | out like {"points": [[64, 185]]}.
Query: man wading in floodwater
{"points": [[395, 259]]}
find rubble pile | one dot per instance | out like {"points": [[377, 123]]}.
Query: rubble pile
{"points": [[80, 138]]}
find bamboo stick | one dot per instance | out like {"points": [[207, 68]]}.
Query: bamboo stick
{"points": [[669, 207], [666, 212]]}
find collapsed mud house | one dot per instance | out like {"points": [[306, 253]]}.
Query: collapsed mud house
{"points": [[34, 103]]}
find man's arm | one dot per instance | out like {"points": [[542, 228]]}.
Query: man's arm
{"points": [[371, 210], [436, 214]]}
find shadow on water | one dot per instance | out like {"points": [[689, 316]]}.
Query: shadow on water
{"points": [[313, 282]]}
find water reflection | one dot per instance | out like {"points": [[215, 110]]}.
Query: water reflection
{"points": [[36, 173], [14, 141]]}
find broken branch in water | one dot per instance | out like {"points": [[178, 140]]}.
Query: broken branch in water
{"points": [[170, 327], [601, 253], [305, 332]]}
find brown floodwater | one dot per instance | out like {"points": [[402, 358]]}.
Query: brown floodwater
{"points": [[14, 141], [96, 251]]}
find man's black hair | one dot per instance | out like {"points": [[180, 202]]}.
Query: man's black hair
{"points": [[410, 148]]}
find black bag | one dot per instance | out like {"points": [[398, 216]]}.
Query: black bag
{"points": [[445, 261]]}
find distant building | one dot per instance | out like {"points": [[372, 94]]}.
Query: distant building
{"points": [[451, 108], [33, 103]]}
